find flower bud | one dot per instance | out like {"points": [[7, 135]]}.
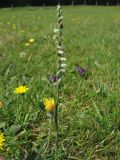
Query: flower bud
{"points": [[49, 104], [53, 78]]}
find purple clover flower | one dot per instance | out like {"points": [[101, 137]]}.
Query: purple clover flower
{"points": [[53, 78], [82, 71]]}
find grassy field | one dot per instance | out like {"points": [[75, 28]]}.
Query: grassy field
{"points": [[89, 112]]}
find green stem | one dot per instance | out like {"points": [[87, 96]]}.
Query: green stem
{"points": [[56, 122]]}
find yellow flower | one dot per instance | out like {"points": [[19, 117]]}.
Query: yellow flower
{"points": [[2, 141], [27, 44], [1, 104], [49, 104], [21, 89], [31, 40]]}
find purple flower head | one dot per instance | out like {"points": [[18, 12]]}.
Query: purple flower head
{"points": [[53, 78], [82, 71]]}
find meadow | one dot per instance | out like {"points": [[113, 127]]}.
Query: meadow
{"points": [[89, 110]]}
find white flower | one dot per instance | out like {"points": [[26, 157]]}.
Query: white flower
{"points": [[63, 65], [58, 7], [60, 52], [63, 59], [60, 18], [56, 30]]}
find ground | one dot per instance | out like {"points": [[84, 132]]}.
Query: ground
{"points": [[89, 113]]}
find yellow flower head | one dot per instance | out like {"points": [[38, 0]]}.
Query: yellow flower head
{"points": [[49, 104], [31, 40], [27, 44], [21, 89], [2, 141], [1, 104]]}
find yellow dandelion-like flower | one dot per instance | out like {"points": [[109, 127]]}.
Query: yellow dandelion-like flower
{"points": [[27, 44], [49, 104], [1, 104], [31, 40], [2, 141], [21, 89]]}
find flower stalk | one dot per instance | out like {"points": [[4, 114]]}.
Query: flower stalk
{"points": [[52, 105], [61, 66]]}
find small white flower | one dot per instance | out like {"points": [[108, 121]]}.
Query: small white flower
{"points": [[56, 30], [63, 65], [58, 7], [60, 18], [60, 52], [63, 59]]}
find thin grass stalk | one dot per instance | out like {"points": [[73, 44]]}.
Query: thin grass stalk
{"points": [[31, 100], [56, 118]]}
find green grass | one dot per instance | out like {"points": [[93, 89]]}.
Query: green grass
{"points": [[89, 113]]}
